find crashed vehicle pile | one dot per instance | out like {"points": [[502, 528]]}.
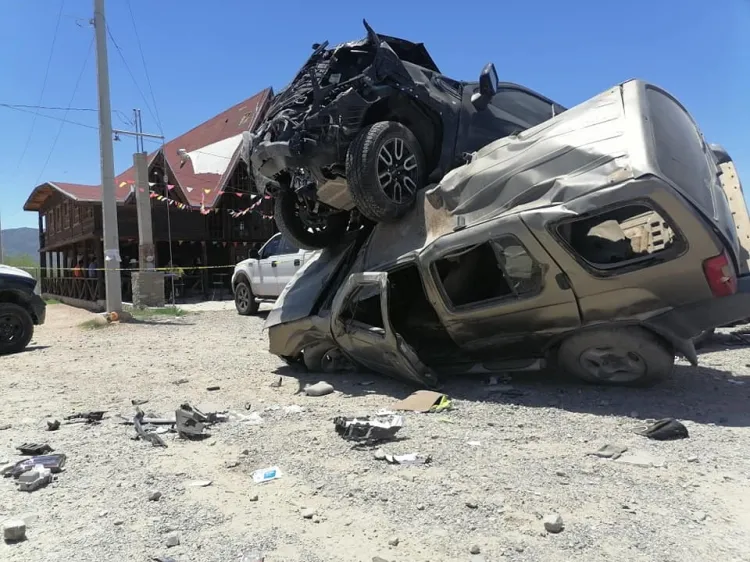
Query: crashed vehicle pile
{"points": [[600, 242]]}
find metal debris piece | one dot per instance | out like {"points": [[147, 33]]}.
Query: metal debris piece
{"points": [[93, 416], [409, 459], [34, 448], [138, 402], [54, 463], [276, 383], [368, 429], [53, 425], [155, 440], [190, 422]]}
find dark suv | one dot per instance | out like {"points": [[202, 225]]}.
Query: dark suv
{"points": [[20, 309], [366, 125]]}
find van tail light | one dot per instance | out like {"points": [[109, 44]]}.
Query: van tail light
{"points": [[720, 274]]}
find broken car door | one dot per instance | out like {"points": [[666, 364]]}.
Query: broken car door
{"points": [[497, 291], [361, 327]]}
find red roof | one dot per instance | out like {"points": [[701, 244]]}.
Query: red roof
{"points": [[203, 188]]}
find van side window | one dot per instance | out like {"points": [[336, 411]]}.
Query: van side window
{"points": [[622, 236], [501, 268]]}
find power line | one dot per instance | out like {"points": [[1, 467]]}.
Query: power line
{"points": [[51, 117], [145, 68], [44, 86], [62, 123], [46, 107], [132, 76]]}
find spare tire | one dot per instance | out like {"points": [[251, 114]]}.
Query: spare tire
{"points": [[385, 168]]}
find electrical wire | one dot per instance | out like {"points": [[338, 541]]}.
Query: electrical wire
{"points": [[52, 117], [132, 76], [46, 107], [145, 68], [62, 123], [44, 86]]}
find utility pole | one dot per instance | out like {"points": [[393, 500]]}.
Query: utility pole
{"points": [[112, 282]]}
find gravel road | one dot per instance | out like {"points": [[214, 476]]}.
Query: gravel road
{"points": [[502, 462]]}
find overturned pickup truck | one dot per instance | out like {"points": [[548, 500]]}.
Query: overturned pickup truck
{"points": [[600, 242]]}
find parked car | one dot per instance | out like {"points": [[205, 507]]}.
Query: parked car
{"points": [[367, 124], [263, 276], [600, 242], [20, 309]]}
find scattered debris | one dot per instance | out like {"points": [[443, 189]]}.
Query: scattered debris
{"points": [[253, 498], [5, 426], [609, 452], [553, 523], [318, 389], [471, 504], [276, 383], [155, 440], [95, 416], [53, 425], [137, 402], [164, 559], [266, 474], [35, 478], [200, 483], [666, 429], [180, 381], [473, 443], [699, 516], [293, 409], [408, 459], [474, 549], [424, 401], [34, 448], [7, 468], [54, 463], [231, 464], [692, 459], [253, 418], [14, 530], [394, 541], [118, 522], [380, 455], [154, 496], [368, 429], [308, 513], [190, 422], [212, 388], [173, 540], [642, 459]]}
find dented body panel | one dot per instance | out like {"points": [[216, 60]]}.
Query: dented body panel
{"points": [[605, 215]]}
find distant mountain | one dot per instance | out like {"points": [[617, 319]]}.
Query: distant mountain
{"points": [[21, 241]]}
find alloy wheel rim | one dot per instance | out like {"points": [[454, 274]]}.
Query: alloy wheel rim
{"points": [[398, 170]]}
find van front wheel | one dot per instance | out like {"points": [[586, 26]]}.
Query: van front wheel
{"points": [[626, 356]]}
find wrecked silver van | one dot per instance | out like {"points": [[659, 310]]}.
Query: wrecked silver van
{"points": [[600, 242]]}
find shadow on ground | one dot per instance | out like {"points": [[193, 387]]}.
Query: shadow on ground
{"points": [[699, 394]]}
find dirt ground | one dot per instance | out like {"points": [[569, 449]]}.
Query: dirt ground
{"points": [[504, 459]]}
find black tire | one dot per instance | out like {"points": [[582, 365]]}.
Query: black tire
{"points": [[640, 357], [377, 202], [16, 328], [294, 228], [314, 355], [244, 299]]}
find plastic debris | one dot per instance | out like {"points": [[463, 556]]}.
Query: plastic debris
{"points": [[34, 448], [266, 474], [409, 459], [368, 429], [424, 401]]}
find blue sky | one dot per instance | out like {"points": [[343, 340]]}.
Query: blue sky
{"points": [[203, 57]]}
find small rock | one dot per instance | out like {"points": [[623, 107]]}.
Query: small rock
{"points": [[692, 459], [308, 513], [53, 425], [277, 383], [379, 455], [253, 498], [699, 516], [103, 513], [316, 519], [553, 523], [173, 540], [4, 426], [14, 530], [471, 504], [245, 452], [118, 522], [232, 464], [319, 389], [420, 507], [199, 483], [561, 473], [474, 549], [154, 496], [378, 559], [394, 541]]}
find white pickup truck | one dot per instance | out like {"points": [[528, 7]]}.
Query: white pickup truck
{"points": [[263, 277]]}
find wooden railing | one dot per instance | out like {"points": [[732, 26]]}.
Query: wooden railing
{"points": [[82, 288]]}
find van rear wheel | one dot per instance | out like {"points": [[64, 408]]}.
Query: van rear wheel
{"points": [[626, 356]]}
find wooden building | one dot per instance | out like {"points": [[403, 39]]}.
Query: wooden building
{"points": [[197, 183]]}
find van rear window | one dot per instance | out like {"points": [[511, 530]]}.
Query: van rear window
{"points": [[679, 149]]}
